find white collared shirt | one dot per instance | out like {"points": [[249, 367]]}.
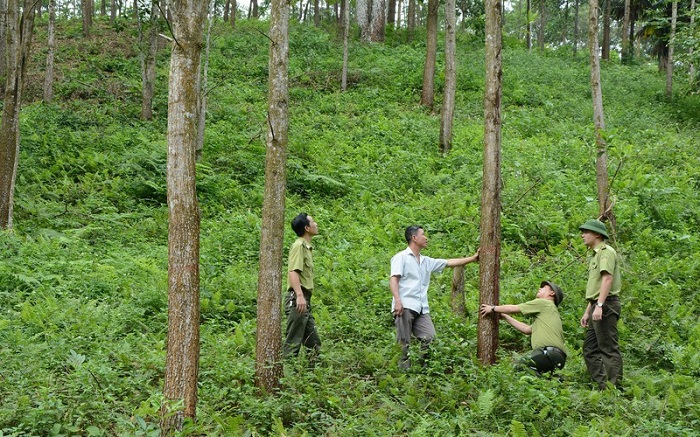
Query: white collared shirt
{"points": [[414, 279]]}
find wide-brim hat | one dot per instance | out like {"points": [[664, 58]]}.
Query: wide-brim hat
{"points": [[596, 226], [558, 293]]}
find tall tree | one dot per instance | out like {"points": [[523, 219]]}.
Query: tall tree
{"points": [[528, 33], [20, 27], [3, 37], [428, 94], [202, 105], [598, 116], [577, 3], [268, 368], [691, 69], [489, 258], [448, 101], [182, 359], [625, 34], [148, 35], [86, 7], [605, 51], [48, 76], [391, 13], [543, 23], [371, 19], [671, 45], [346, 31], [411, 20]]}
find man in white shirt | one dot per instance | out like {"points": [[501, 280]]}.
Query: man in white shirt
{"points": [[409, 281]]}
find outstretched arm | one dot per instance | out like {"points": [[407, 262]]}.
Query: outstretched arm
{"points": [[455, 262], [520, 326]]}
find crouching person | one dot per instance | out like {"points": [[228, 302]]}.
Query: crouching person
{"points": [[547, 335]]}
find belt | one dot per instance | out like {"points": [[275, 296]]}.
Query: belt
{"points": [[608, 299]]}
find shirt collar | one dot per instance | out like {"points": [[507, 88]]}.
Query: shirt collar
{"points": [[598, 247]]}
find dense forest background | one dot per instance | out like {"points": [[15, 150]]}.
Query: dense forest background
{"points": [[83, 277]]}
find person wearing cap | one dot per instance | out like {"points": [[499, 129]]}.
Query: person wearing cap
{"points": [[547, 335], [601, 350], [409, 282]]}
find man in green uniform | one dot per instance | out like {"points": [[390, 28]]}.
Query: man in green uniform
{"points": [[301, 327], [601, 349], [547, 335]]}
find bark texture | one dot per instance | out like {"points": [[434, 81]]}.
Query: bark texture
{"points": [[182, 359], [671, 44], [428, 93], [268, 367], [48, 76], [20, 25], [489, 257], [448, 102]]}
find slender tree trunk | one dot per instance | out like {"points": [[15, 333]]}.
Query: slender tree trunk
{"points": [[565, 27], [489, 257], [378, 20], [202, 105], [691, 69], [3, 37], [411, 20], [448, 102], [626, 52], [457, 296], [112, 11], [346, 31], [391, 13], [149, 55], [268, 367], [428, 94], [227, 8], [543, 23], [20, 26], [317, 14], [671, 44], [86, 10], [182, 359], [598, 117], [48, 77], [577, 36], [399, 8], [606, 31], [103, 7], [528, 36]]}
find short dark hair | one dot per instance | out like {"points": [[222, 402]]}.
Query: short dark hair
{"points": [[299, 224], [411, 231]]}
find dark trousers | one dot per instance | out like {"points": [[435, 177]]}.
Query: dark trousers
{"points": [[301, 328], [601, 349], [412, 324], [546, 359]]}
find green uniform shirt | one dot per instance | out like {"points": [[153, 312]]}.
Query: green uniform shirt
{"points": [[604, 259], [301, 261], [546, 328]]}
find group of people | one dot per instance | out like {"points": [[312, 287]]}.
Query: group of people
{"points": [[409, 281]]}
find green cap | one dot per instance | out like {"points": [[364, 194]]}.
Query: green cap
{"points": [[596, 226], [558, 294]]}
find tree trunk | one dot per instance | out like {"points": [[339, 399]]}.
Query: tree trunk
{"points": [[227, 8], [528, 34], [204, 83], [448, 102], [268, 367], [576, 28], [543, 23], [182, 359], [391, 13], [112, 11], [457, 296], [606, 31], [149, 55], [489, 257], [20, 26], [3, 37], [48, 76], [691, 69], [671, 44], [626, 52], [411, 20], [234, 9], [86, 10], [363, 10], [428, 95], [598, 117], [378, 20], [103, 7], [346, 31], [317, 14]]}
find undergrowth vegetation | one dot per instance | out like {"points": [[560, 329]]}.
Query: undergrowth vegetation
{"points": [[83, 282]]}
